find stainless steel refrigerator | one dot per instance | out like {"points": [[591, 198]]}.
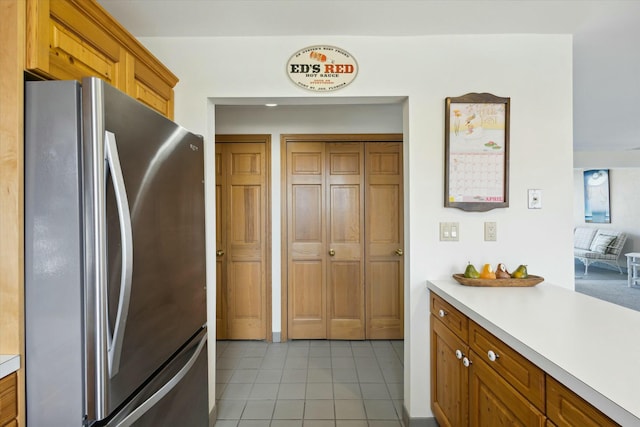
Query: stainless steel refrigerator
{"points": [[115, 317]]}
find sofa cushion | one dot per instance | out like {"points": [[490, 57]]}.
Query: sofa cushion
{"points": [[602, 242], [582, 237]]}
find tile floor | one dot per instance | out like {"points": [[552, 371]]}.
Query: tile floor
{"points": [[309, 383]]}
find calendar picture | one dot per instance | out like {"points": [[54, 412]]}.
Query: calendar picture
{"points": [[477, 152]]}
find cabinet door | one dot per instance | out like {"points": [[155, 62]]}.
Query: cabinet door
{"points": [[150, 89], [493, 402], [8, 399], [566, 409], [449, 377], [65, 42]]}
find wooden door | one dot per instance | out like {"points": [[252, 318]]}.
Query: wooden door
{"points": [[449, 377], [306, 240], [242, 227], [345, 239], [384, 241], [494, 402], [334, 191]]}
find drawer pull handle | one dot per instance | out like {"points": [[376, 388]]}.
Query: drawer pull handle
{"points": [[442, 313], [492, 356], [466, 362], [459, 354]]}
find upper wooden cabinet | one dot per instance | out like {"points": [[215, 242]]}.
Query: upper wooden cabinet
{"points": [[71, 39]]}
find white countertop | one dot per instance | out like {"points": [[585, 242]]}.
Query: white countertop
{"points": [[9, 363], [591, 346]]}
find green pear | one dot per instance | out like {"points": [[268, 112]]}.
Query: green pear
{"points": [[520, 272], [470, 272]]}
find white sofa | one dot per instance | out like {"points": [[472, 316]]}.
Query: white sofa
{"points": [[598, 245]]}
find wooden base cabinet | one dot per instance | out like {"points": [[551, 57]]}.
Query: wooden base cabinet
{"points": [[477, 380], [8, 401], [72, 39], [465, 389]]}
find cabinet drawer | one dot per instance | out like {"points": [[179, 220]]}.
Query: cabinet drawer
{"points": [[565, 408], [523, 375], [8, 399], [450, 316]]}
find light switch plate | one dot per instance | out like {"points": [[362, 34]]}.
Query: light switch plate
{"points": [[449, 231], [535, 199]]}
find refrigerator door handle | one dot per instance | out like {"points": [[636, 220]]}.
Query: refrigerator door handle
{"points": [[165, 389], [126, 238]]}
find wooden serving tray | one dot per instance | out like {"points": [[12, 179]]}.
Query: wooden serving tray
{"points": [[530, 280]]}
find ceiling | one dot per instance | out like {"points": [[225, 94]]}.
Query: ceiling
{"points": [[606, 64]]}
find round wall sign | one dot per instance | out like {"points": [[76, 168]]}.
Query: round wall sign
{"points": [[322, 68]]}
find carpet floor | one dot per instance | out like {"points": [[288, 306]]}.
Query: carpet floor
{"points": [[607, 285]]}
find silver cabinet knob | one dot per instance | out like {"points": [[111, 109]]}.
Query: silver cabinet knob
{"points": [[459, 354], [492, 356], [466, 362], [442, 313]]}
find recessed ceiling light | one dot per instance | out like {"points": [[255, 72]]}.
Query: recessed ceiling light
{"points": [[270, 105]]}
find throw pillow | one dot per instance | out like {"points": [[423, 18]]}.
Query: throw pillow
{"points": [[582, 237], [601, 243]]}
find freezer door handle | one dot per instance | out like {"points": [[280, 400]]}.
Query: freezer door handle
{"points": [[165, 389], [126, 238]]}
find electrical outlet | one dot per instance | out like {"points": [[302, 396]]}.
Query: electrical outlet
{"points": [[490, 231], [535, 199]]}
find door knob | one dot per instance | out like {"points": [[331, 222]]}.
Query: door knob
{"points": [[399, 252], [219, 252], [332, 252]]}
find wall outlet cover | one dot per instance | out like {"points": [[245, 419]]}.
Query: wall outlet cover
{"points": [[535, 199]]}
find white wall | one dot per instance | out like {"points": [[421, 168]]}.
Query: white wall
{"points": [[534, 70], [624, 203]]}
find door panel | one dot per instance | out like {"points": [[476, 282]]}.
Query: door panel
{"points": [[345, 213], [384, 241], [242, 188], [307, 300], [306, 288]]}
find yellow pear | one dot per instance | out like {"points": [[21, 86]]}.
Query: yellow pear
{"points": [[487, 272]]}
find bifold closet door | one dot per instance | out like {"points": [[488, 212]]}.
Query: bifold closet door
{"points": [[345, 240], [306, 235]]}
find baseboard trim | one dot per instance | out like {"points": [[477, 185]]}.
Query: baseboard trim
{"points": [[417, 422], [213, 416]]}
